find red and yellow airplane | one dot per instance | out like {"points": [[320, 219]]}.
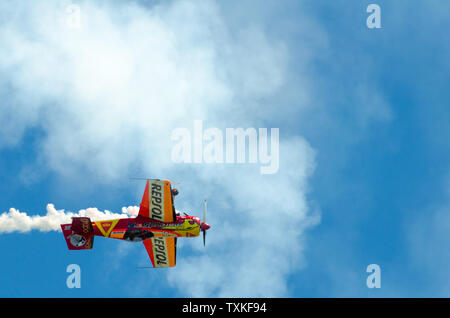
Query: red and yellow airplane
{"points": [[158, 226]]}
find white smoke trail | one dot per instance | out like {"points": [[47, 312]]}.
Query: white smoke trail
{"points": [[16, 221]]}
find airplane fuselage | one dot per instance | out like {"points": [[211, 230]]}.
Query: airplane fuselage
{"points": [[141, 228]]}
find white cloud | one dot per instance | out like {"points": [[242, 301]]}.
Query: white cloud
{"points": [[256, 236], [108, 95]]}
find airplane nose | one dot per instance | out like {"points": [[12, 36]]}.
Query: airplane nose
{"points": [[205, 226]]}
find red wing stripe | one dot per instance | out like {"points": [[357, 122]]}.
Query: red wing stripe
{"points": [[144, 208], [149, 248]]}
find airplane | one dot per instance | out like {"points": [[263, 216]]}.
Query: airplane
{"points": [[157, 225]]}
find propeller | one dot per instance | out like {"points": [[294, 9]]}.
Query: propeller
{"points": [[204, 238], [204, 225]]}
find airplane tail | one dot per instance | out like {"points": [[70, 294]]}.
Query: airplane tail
{"points": [[80, 234]]}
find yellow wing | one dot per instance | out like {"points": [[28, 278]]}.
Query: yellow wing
{"points": [[157, 202], [162, 251]]}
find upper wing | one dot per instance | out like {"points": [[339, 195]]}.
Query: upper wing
{"points": [[162, 251], [157, 203]]}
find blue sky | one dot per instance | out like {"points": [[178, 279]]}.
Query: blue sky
{"points": [[364, 148]]}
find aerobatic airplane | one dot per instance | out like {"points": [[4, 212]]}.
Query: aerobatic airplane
{"points": [[157, 225]]}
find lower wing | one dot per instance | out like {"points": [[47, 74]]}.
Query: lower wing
{"points": [[162, 251]]}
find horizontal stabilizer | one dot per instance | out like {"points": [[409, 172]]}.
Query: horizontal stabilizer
{"points": [[79, 235]]}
